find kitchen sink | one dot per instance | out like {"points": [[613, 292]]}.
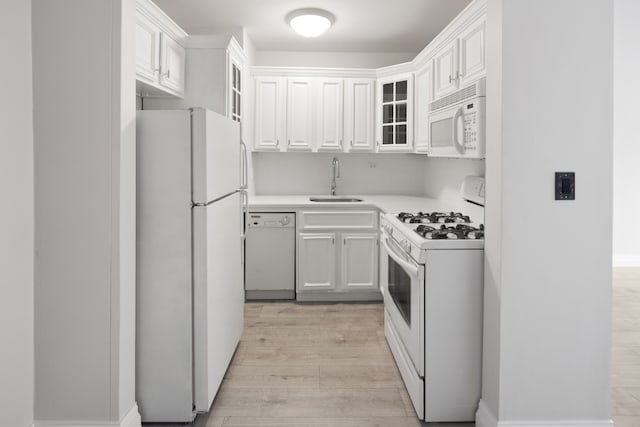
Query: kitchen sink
{"points": [[334, 199]]}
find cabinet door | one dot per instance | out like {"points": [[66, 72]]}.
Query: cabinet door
{"points": [[147, 49], [444, 69], [299, 114], [395, 114], [316, 261], [269, 114], [172, 60], [422, 98], [359, 261], [359, 106], [472, 53], [329, 102]]}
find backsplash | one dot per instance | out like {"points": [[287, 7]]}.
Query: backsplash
{"points": [[443, 178], [310, 173]]}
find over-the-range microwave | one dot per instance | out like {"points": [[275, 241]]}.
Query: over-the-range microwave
{"points": [[457, 123]]}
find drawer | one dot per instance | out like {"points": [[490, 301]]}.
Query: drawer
{"points": [[338, 220]]}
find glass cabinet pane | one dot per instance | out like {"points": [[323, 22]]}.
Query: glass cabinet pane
{"points": [[387, 113], [239, 80], [401, 112], [387, 92], [401, 134], [401, 90], [387, 135]]}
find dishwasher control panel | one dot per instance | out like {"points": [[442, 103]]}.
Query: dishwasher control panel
{"points": [[271, 219]]}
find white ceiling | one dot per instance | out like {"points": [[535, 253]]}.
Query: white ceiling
{"points": [[360, 26]]}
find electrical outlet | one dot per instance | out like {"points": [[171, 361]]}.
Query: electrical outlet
{"points": [[373, 165]]}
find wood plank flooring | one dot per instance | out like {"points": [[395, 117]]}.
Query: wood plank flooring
{"points": [[314, 365], [329, 365], [625, 366]]}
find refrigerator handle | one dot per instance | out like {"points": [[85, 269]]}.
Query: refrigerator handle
{"points": [[244, 207], [244, 179]]}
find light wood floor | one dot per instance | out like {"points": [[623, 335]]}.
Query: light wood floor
{"points": [[625, 370], [329, 365], [312, 365]]}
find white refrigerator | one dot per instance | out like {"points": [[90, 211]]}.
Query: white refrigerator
{"points": [[191, 199]]}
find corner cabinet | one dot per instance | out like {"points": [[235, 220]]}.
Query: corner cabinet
{"points": [[337, 255], [160, 52], [395, 113], [423, 96]]}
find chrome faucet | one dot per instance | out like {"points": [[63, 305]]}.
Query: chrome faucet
{"points": [[335, 168]]}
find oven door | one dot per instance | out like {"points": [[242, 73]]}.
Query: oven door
{"points": [[402, 282]]}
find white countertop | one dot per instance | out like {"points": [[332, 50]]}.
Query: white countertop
{"points": [[384, 202]]}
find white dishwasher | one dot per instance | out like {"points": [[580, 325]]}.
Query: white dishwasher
{"points": [[270, 256]]}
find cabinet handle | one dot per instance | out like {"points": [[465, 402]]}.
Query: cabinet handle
{"points": [[167, 74], [344, 241], [378, 143], [333, 241], [351, 144], [289, 143], [450, 79], [340, 143], [277, 143], [458, 75]]}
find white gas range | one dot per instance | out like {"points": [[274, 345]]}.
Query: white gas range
{"points": [[431, 277]]}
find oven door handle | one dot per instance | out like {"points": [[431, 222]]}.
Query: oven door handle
{"points": [[413, 269]]}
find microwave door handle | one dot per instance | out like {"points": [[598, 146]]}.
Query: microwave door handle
{"points": [[456, 142], [397, 258]]}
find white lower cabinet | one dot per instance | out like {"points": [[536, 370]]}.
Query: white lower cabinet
{"points": [[316, 261], [337, 256], [359, 261]]}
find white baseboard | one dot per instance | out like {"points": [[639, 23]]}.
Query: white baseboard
{"points": [[626, 260], [132, 419], [484, 416]]}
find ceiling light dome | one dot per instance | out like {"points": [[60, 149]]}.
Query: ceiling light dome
{"points": [[310, 22]]}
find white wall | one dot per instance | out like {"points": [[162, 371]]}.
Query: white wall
{"points": [[547, 356], [443, 178], [626, 200], [331, 59], [310, 173], [16, 216], [84, 137]]}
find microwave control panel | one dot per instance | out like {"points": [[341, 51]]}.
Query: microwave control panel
{"points": [[470, 128]]}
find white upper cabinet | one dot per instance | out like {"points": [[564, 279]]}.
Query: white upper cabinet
{"points": [[395, 113], [445, 65], [172, 61], [160, 52], [472, 53], [423, 96], [329, 114], [462, 61], [300, 114], [147, 49], [270, 103], [358, 118]]}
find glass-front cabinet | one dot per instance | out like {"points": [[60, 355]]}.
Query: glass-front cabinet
{"points": [[395, 113], [236, 92]]}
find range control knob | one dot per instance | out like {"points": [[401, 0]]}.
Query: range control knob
{"points": [[284, 220]]}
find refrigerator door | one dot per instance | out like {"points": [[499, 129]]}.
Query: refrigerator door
{"points": [[215, 155], [163, 267], [218, 293]]}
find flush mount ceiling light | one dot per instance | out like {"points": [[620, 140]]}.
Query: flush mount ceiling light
{"points": [[310, 22]]}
